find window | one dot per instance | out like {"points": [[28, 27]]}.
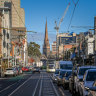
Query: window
{"points": [[7, 35], [91, 76]]}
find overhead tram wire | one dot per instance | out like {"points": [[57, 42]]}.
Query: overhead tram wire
{"points": [[72, 14]]}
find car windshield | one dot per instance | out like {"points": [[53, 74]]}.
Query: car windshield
{"points": [[51, 66], [66, 66], [57, 72], [91, 76], [36, 67], [82, 71]]}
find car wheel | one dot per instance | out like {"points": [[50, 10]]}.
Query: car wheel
{"points": [[58, 83], [64, 86], [13, 75]]}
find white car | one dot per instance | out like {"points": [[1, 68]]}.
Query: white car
{"points": [[79, 78], [88, 80], [11, 71]]}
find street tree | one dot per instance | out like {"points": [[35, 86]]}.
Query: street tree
{"points": [[34, 50]]}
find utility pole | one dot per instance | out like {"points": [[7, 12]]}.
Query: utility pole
{"points": [[63, 52], [95, 40]]}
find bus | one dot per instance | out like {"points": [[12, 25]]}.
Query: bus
{"points": [[50, 65]]}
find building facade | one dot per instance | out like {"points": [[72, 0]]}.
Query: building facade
{"points": [[66, 38], [17, 13], [14, 39], [54, 48]]}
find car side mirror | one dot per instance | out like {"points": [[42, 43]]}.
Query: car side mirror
{"points": [[87, 88]]}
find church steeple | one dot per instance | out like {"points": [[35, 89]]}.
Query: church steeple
{"points": [[46, 46], [46, 32]]}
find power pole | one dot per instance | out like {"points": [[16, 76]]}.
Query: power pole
{"points": [[95, 40]]}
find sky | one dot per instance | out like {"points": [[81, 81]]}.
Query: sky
{"points": [[38, 11]]}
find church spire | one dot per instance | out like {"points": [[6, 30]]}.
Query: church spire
{"points": [[46, 46], [46, 32]]}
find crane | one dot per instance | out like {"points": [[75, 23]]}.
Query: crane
{"points": [[58, 27], [82, 27]]}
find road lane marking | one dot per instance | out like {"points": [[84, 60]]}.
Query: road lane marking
{"points": [[61, 91], [36, 86], [41, 86], [54, 88], [7, 87], [19, 86]]}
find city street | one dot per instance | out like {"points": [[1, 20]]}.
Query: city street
{"points": [[47, 48], [29, 84]]}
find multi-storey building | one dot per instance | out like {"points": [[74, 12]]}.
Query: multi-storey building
{"points": [[66, 38], [17, 13], [6, 23], [89, 45], [54, 48], [17, 26]]}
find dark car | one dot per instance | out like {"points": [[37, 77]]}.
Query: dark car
{"points": [[54, 77], [36, 69], [66, 79], [60, 77]]}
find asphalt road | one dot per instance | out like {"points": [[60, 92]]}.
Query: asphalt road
{"points": [[29, 84]]}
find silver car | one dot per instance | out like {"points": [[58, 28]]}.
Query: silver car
{"points": [[88, 81], [11, 71]]}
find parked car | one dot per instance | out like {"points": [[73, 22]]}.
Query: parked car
{"points": [[36, 69], [71, 78], [79, 78], [60, 77], [88, 80], [11, 71], [66, 79], [25, 69], [92, 90], [54, 77]]}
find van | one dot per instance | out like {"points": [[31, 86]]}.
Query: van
{"points": [[67, 65]]}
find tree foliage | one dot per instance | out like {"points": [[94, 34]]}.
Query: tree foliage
{"points": [[33, 49]]}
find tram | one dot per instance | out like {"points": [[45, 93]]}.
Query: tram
{"points": [[50, 65]]}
